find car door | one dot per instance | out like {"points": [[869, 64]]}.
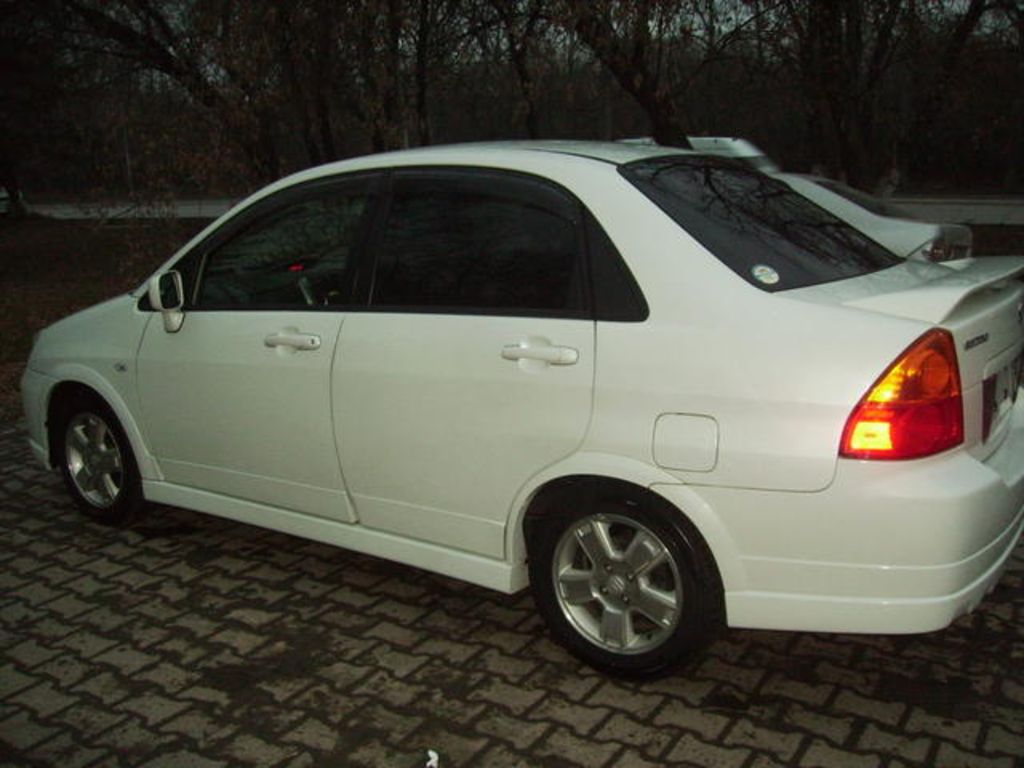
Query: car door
{"points": [[473, 368], [238, 401]]}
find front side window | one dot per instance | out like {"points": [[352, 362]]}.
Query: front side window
{"points": [[757, 226], [301, 255], [484, 242]]}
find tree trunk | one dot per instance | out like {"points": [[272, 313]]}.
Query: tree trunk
{"points": [[625, 58], [918, 139], [423, 42]]}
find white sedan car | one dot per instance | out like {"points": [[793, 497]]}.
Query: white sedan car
{"points": [[658, 387]]}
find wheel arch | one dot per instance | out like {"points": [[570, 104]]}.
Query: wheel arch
{"points": [[80, 380], [629, 478]]}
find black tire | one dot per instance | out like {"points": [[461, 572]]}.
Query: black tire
{"points": [[609, 605], [96, 461]]}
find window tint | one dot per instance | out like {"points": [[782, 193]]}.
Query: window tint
{"points": [[298, 255], [617, 297], [488, 242], [760, 228]]}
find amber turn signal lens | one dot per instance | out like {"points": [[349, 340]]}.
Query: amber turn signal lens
{"points": [[915, 408]]}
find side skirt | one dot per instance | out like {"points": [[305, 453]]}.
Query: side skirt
{"points": [[486, 572]]}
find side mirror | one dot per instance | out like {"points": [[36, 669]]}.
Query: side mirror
{"points": [[167, 294]]}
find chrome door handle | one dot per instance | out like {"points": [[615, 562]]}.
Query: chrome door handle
{"points": [[545, 353], [294, 339]]}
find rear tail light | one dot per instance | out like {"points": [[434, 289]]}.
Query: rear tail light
{"points": [[939, 250], [942, 249], [914, 409]]}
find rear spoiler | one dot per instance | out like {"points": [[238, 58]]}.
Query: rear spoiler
{"points": [[936, 299]]}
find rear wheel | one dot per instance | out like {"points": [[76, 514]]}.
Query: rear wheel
{"points": [[629, 589], [96, 461]]}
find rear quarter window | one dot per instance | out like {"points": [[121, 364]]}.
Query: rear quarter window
{"points": [[758, 226]]}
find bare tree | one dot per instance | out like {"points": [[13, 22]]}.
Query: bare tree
{"points": [[859, 86], [520, 24], [30, 84], [197, 49], [633, 40], [951, 32], [842, 52]]}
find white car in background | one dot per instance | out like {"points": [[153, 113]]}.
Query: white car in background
{"points": [[885, 222], [662, 389]]}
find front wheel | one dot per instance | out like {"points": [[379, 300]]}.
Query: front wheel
{"points": [[628, 589], [97, 463]]}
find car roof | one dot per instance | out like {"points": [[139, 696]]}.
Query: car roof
{"points": [[501, 154], [616, 153], [482, 153]]}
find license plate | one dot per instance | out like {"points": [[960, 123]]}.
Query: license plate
{"points": [[1000, 393]]}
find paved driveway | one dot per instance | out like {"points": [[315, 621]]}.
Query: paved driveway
{"points": [[191, 641]]}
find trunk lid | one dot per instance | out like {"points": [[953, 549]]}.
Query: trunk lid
{"points": [[930, 292]]}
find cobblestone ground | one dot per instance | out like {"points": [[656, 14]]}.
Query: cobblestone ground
{"points": [[190, 641]]}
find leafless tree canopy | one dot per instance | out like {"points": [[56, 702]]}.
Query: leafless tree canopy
{"points": [[192, 96]]}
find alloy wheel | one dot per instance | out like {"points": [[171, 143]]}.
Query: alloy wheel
{"points": [[617, 583], [93, 459]]}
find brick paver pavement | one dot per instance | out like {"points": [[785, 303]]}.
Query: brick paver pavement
{"points": [[189, 642]]}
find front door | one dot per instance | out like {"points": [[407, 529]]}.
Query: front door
{"points": [[238, 401]]}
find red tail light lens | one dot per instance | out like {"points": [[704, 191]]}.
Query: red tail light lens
{"points": [[915, 409], [939, 250]]}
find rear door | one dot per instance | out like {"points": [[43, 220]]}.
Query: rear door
{"points": [[473, 368]]}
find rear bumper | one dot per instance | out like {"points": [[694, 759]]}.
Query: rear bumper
{"points": [[888, 548], [879, 615]]}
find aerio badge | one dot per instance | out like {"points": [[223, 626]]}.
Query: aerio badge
{"points": [[764, 274], [976, 341]]}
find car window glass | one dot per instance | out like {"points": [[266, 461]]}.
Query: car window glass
{"points": [[466, 242], [759, 227], [299, 255], [616, 295]]}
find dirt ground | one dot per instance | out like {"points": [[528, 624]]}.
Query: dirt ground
{"points": [[50, 268]]}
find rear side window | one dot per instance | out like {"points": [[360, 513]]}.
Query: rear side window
{"points": [[758, 226], [485, 242]]}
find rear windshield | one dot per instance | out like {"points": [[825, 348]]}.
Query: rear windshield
{"points": [[758, 226]]}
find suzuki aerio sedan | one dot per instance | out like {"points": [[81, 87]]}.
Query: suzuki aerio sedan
{"points": [[660, 388]]}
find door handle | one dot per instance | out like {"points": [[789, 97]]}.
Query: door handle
{"points": [[293, 339], [545, 353]]}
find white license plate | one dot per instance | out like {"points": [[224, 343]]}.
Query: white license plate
{"points": [[1000, 393]]}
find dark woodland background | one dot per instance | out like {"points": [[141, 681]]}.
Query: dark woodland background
{"points": [[151, 99]]}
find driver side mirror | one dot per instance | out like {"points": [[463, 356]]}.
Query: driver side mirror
{"points": [[167, 294]]}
